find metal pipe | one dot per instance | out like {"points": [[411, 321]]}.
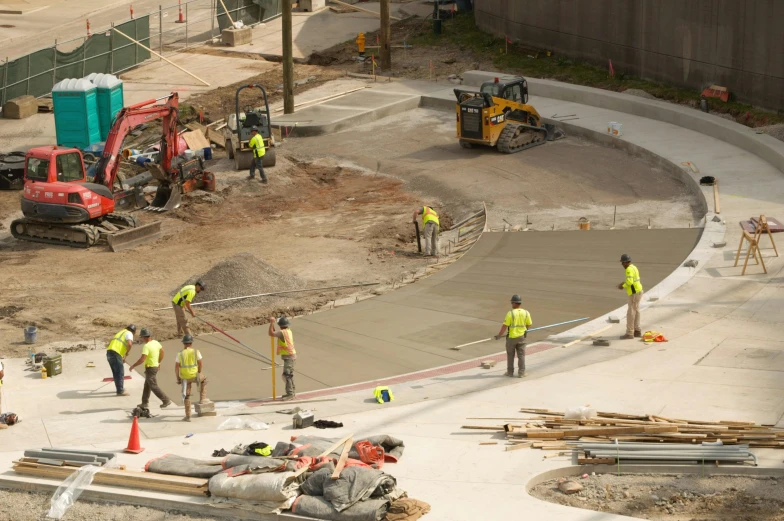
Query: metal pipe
{"points": [[277, 293], [649, 446], [61, 455], [108, 455]]}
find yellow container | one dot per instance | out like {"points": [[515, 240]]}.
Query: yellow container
{"points": [[43, 373], [584, 223]]}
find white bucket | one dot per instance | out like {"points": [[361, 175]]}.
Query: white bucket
{"points": [[610, 127], [616, 129]]}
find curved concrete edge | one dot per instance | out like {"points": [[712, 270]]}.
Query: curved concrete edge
{"points": [[579, 470], [766, 147]]}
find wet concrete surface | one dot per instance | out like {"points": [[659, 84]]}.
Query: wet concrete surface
{"points": [[560, 275]]}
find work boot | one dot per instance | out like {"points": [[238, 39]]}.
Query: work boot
{"points": [[638, 334], [288, 397], [187, 405], [166, 404], [250, 177], [523, 374], [627, 337], [508, 373], [264, 181], [124, 393], [203, 391]]}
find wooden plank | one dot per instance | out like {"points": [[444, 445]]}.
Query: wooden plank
{"points": [[484, 427], [488, 443], [327, 452], [343, 458], [196, 140], [517, 446], [595, 461], [545, 435]]}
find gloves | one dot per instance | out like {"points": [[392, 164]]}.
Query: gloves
{"points": [[497, 337]]}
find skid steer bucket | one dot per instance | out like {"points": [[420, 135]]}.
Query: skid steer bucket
{"points": [[554, 133], [132, 237]]}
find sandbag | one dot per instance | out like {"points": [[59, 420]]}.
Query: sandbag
{"points": [[354, 484], [20, 108], [255, 464], [319, 508], [179, 466], [267, 487]]}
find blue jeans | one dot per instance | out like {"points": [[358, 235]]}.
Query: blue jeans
{"points": [[118, 370], [257, 164]]}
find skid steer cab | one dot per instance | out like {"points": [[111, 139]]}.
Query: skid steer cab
{"points": [[499, 116], [239, 126]]}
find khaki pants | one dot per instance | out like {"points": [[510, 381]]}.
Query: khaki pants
{"points": [[431, 238], [201, 381], [633, 314], [151, 386], [515, 346], [182, 320], [288, 376]]}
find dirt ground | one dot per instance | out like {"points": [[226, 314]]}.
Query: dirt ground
{"points": [[26, 506], [323, 224], [674, 497]]}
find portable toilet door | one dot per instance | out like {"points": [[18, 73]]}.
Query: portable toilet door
{"points": [[109, 89], [76, 113]]}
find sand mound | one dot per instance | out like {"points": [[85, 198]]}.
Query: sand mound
{"points": [[240, 275]]}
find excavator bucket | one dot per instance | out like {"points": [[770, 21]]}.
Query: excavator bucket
{"points": [[554, 133], [167, 198], [132, 237]]}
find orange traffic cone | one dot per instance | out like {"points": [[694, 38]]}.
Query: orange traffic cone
{"points": [[133, 442]]}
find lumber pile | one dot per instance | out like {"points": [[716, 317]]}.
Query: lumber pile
{"points": [[551, 430], [120, 477]]}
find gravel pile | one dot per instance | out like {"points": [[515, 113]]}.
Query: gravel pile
{"points": [[240, 275]]}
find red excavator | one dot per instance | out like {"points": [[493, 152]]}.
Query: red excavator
{"points": [[62, 206]]}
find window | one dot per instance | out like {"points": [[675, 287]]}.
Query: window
{"points": [[491, 88], [37, 169], [513, 93], [69, 168]]}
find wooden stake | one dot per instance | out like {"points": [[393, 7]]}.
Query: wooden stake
{"points": [[227, 13], [716, 202], [343, 457], [159, 56]]}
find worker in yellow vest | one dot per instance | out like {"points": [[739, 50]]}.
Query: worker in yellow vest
{"points": [[151, 357], [189, 370], [633, 288], [515, 328], [286, 351], [181, 301], [431, 227], [116, 351], [256, 144]]}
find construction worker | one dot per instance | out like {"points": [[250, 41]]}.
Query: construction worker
{"points": [[633, 288], [286, 351], [256, 144], [116, 351], [430, 228], [189, 369], [183, 299], [152, 356], [515, 327]]}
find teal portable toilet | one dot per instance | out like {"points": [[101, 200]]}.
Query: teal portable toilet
{"points": [[110, 99], [76, 113]]}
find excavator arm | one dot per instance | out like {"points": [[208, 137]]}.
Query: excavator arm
{"points": [[129, 118]]}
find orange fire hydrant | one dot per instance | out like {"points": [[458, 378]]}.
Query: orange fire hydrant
{"points": [[361, 43]]}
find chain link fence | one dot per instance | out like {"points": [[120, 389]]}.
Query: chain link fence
{"points": [[167, 30]]}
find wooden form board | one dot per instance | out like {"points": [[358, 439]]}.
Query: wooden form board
{"points": [[343, 458], [196, 140]]}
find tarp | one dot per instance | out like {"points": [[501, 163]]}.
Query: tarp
{"points": [[319, 508], [355, 484], [268, 487], [102, 52], [179, 466], [315, 445]]}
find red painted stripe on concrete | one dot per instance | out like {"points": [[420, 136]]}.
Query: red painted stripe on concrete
{"points": [[409, 377]]}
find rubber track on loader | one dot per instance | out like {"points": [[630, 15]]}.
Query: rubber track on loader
{"points": [[506, 141]]}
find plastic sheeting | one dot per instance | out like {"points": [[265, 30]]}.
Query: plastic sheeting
{"points": [[69, 491], [319, 508]]}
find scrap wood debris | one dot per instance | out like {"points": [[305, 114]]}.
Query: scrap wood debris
{"points": [[552, 430]]}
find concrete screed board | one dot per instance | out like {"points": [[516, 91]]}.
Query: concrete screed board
{"points": [[560, 275]]}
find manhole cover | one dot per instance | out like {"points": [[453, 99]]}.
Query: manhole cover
{"points": [[7, 26]]}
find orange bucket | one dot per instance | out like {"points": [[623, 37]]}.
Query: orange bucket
{"points": [[208, 180], [584, 223]]}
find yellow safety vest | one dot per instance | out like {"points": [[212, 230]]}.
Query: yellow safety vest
{"points": [[428, 214], [187, 293], [118, 343], [257, 144], [517, 322], [286, 344], [632, 283], [377, 393], [189, 363]]}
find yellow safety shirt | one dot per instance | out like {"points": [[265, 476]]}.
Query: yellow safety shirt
{"points": [[119, 344], [187, 293], [286, 343], [153, 351], [517, 322], [257, 144], [377, 393], [188, 360], [632, 282], [428, 214]]}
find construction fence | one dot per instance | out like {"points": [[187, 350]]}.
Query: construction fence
{"points": [[167, 30]]}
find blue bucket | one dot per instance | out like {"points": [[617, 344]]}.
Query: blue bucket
{"points": [[141, 160], [30, 333], [207, 153]]}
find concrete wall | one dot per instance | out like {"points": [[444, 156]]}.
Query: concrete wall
{"points": [[735, 43]]}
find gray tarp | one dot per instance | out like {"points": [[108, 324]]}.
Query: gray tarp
{"points": [[267, 487], [179, 466], [354, 485], [319, 508]]}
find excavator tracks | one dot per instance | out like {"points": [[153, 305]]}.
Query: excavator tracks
{"points": [[76, 235], [516, 137]]}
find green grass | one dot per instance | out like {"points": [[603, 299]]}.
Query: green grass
{"points": [[463, 34]]}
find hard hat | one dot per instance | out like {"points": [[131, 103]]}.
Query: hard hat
{"points": [[625, 258], [516, 299], [254, 128], [283, 322], [145, 332], [187, 339], [131, 328], [200, 283]]}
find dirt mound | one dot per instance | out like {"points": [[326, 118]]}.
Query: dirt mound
{"points": [[240, 275]]}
